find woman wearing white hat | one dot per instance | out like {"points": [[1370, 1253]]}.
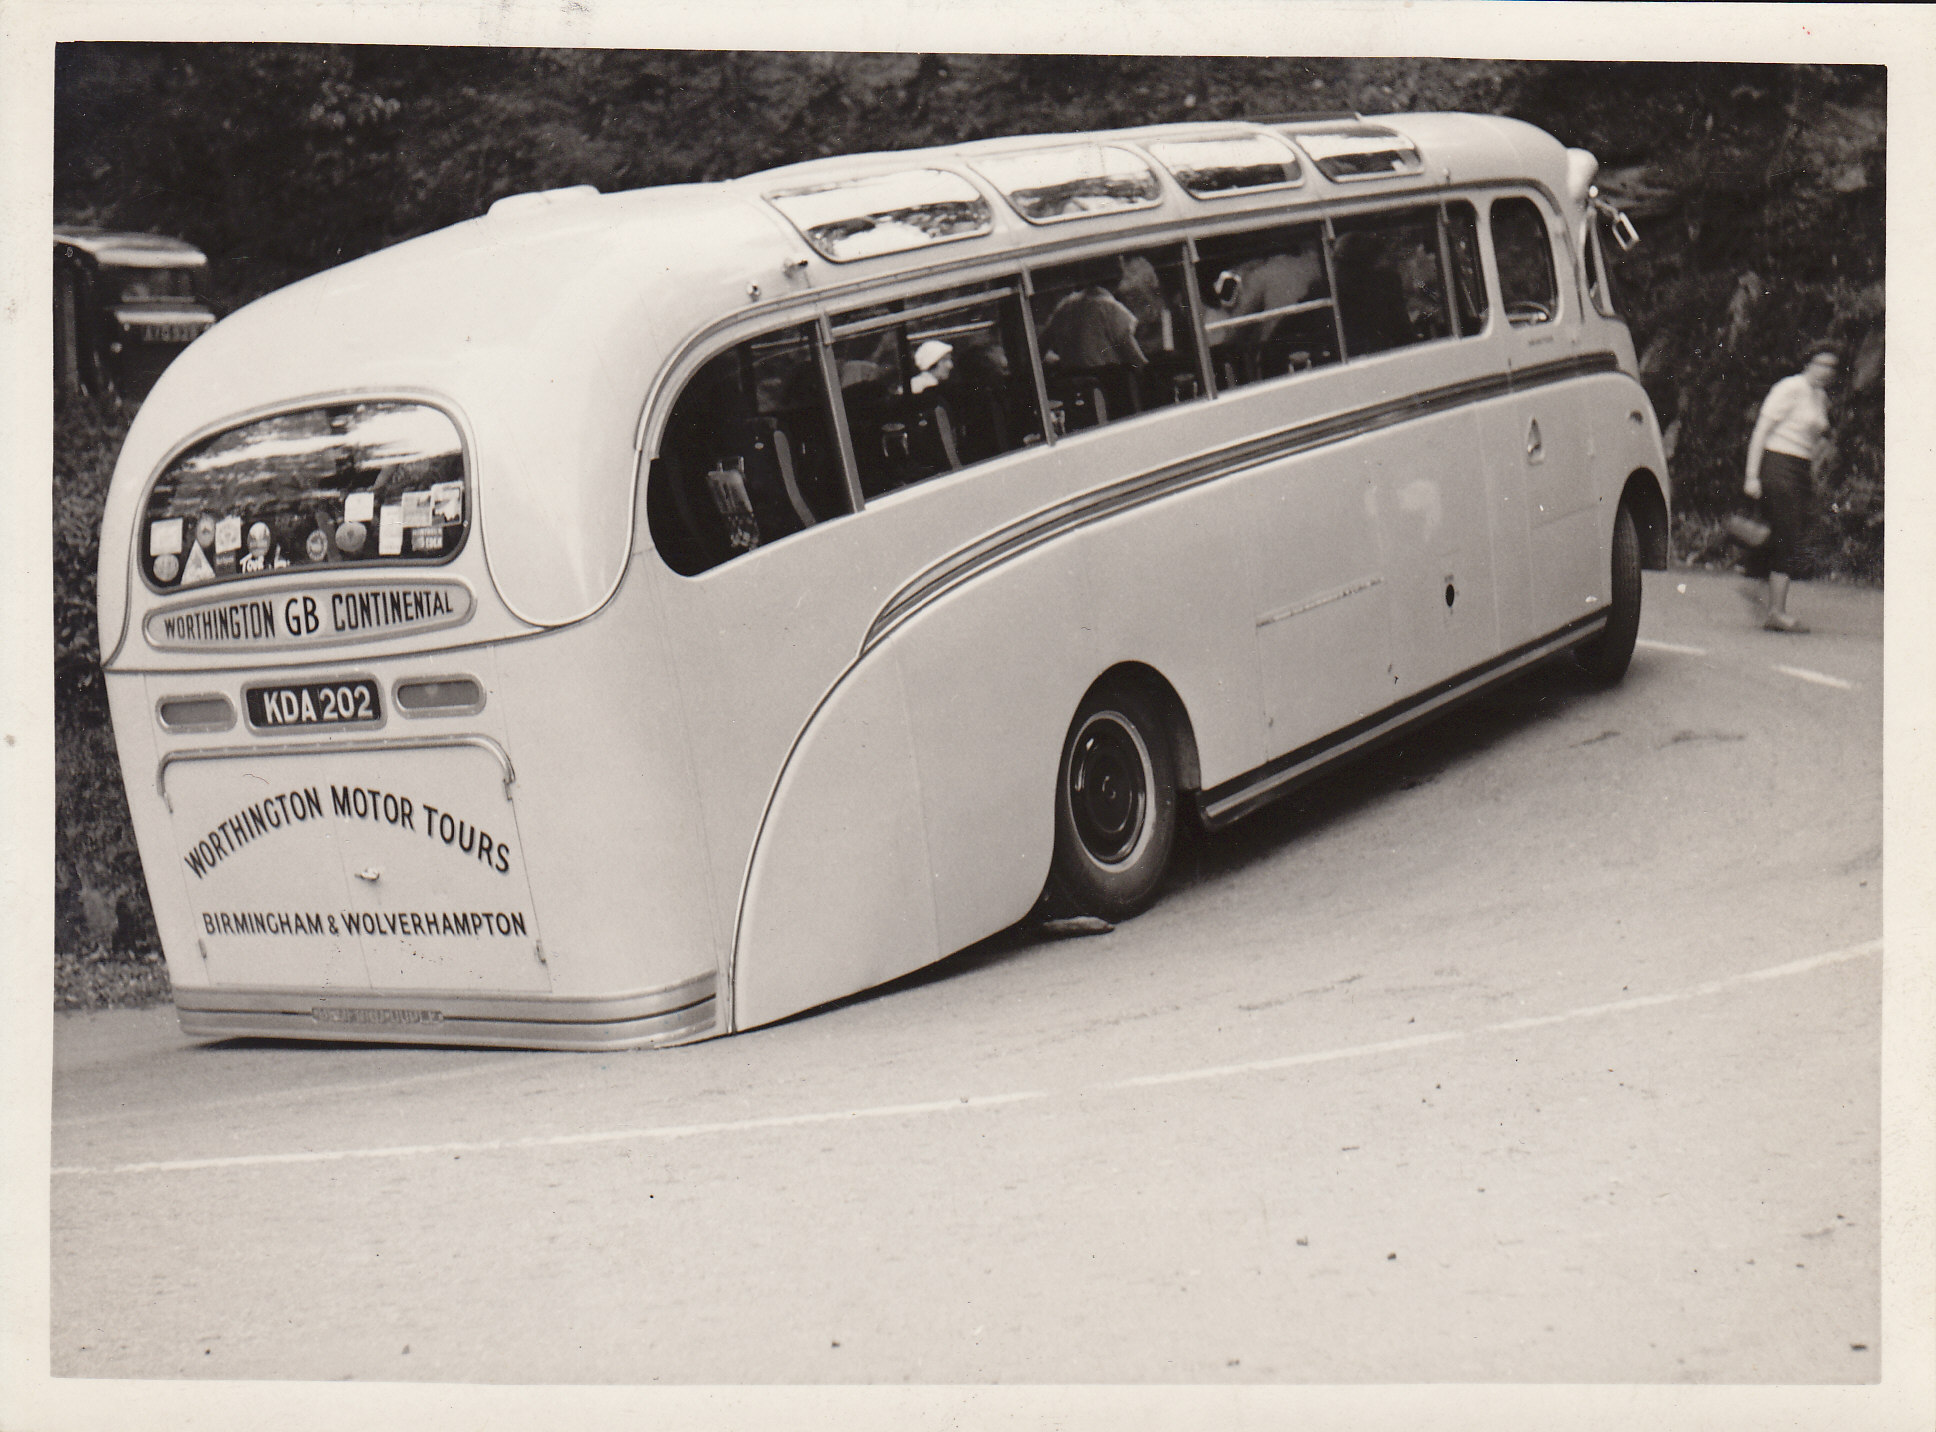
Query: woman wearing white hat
{"points": [[933, 362]]}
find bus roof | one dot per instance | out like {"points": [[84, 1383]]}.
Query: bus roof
{"points": [[546, 323]]}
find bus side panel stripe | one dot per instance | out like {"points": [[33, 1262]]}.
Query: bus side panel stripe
{"points": [[1030, 532]]}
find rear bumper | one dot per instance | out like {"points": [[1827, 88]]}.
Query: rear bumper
{"points": [[673, 1015]]}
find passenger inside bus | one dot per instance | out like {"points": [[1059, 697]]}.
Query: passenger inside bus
{"points": [[1391, 287], [1249, 282], [1089, 338], [992, 416], [1090, 355], [750, 453], [936, 393], [1153, 285]]}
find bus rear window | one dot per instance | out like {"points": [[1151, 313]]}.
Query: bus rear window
{"points": [[363, 484]]}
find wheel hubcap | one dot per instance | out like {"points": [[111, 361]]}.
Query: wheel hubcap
{"points": [[1109, 788]]}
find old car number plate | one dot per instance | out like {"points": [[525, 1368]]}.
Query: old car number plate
{"points": [[353, 701]]}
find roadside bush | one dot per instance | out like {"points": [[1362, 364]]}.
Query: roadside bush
{"points": [[106, 946]]}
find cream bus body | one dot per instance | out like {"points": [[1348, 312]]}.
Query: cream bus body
{"points": [[608, 803]]}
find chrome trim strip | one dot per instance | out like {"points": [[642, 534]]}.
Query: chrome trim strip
{"points": [[1243, 794], [1091, 507], [1558, 370], [456, 1005], [1313, 603], [458, 1020], [322, 748]]}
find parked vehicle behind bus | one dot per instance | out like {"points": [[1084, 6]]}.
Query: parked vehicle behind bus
{"points": [[626, 619], [125, 306]]}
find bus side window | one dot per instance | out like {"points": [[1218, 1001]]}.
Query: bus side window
{"points": [[1267, 305], [1391, 283], [944, 387], [1527, 286], [1468, 274], [748, 455], [1115, 335]]}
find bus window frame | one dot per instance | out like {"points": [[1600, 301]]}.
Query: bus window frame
{"points": [[1447, 279], [843, 435], [1322, 221], [1547, 212], [1603, 296], [1017, 279], [1169, 235], [1447, 272], [1039, 374], [994, 286]]}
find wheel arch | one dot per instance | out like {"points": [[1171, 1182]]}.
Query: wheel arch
{"points": [[1644, 497], [1182, 731]]}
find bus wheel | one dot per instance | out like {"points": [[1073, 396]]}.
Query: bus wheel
{"points": [[1115, 805], [1605, 658]]}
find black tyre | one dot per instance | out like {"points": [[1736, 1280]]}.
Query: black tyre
{"points": [[1115, 805], [1604, 659]]}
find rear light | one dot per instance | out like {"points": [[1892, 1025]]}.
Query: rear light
{"points": [[196, 713], [443, 696]]}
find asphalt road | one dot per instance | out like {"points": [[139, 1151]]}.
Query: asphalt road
{"points": [[1544, 1048]]}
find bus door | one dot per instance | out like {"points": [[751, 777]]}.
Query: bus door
{"points": [[1536, 443], [1403, 318], [1319, 581], [1323, 636]]}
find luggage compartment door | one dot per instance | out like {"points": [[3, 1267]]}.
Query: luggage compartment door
{"points": [[377, 868]]}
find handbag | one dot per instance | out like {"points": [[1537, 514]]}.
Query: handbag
{"points": [[1748, 531]]}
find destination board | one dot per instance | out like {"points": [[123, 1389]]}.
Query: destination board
{"points": [[311, 616]]}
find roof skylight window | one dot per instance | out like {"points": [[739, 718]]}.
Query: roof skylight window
{"points": [[1358, 151], [1071, 181], [886, 213], [1217, 167]]}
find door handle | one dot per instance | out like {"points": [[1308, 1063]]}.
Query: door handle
{"points": [[1535, 448]]}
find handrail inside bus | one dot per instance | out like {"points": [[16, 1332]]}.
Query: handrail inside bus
{"points": [[311, 748], [1309, 305]]}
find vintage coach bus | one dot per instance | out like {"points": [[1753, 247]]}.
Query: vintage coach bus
{"points": [[623, 619]]}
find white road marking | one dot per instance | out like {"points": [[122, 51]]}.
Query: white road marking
{"points": [[985, 1101], [1258, 1066], [1591, 1011], [1674, 647], [1802, 673], [553, 1141]]}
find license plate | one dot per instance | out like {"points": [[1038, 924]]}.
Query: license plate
{"points": [[353, 701], [170, 333]]}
